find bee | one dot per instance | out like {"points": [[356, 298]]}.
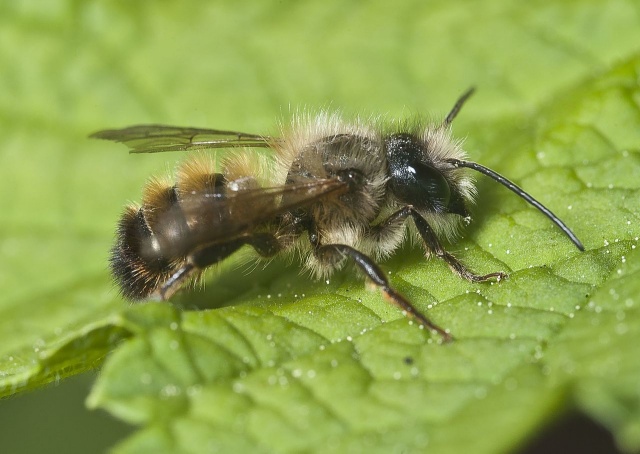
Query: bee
{"points": [[337, 192]]}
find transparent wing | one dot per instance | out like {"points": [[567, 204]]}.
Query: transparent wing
{"points": [[159, 138], [221, 216]]}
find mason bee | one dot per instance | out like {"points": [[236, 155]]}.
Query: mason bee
{"points": [[337, 191]]}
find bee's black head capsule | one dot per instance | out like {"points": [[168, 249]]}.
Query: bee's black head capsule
{"points": [[412, 180]]}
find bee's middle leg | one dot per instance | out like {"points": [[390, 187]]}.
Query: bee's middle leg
{"points": [[431, 242]]}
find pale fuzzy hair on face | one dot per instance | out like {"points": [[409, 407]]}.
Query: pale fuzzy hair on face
{"points": [[442, 146]]}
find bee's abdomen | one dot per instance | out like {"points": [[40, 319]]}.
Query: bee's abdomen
{"points": [[154, 240], [137, 272]]}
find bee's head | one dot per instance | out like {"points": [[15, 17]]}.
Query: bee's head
{"points": [[419, 176], [425, 170]]}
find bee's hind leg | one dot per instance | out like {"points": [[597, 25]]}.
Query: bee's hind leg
{"points": [[266, 244], [195, 262], [333, 253], [173, 284]]}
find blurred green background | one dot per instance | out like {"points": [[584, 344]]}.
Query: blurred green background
{"points": [[68, 68]]}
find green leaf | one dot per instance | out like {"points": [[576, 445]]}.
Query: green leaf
{"points": [[270, 361]]}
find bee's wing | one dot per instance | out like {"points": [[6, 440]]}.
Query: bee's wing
{"points": [[226, 215], [157, 138]]}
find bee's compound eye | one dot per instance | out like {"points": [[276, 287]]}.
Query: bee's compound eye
{"points": [[422, 186], [414, 181]]}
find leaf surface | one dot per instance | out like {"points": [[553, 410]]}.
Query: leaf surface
{"points": [[271, 361]]}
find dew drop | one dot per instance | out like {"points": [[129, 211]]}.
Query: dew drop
{"points": [[170, 390], [621, 328]]}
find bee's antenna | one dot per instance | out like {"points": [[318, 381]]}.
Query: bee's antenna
{"points": [[458, 105], [519, 191]]}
